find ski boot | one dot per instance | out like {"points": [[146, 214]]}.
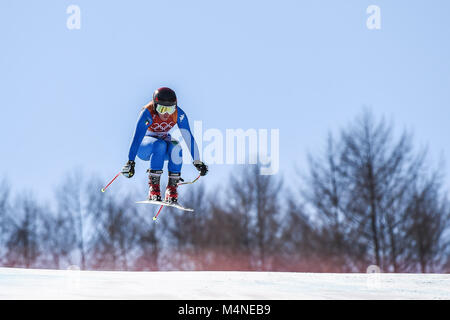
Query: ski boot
{"points": [[154, 179], [171, 194]]}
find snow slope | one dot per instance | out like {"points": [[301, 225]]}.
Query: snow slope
{"points": [[72, 284]]}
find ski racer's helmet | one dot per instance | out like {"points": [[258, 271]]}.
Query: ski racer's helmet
{"points": [[164, 96]]}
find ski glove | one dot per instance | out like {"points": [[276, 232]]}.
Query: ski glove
{"points": [[128, 169], [203, 168]]}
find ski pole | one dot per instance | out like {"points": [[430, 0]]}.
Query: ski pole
{"points": [[160, 208], [104, 189], [189, 182]]}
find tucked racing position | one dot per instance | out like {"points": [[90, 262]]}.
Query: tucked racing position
{"points": [[153, 142]]}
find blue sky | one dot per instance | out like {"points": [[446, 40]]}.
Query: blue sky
{"points": [[70, 98]]}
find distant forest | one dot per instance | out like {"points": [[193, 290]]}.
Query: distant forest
{"points": [[369, 198]]}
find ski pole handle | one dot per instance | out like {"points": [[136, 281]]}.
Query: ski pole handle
{"points": [[104, 189]]}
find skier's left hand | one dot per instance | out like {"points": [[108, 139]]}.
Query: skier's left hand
{"points": [[201, 167]]}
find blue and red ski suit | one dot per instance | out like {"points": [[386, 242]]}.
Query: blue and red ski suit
{"points": [[153, 142]]}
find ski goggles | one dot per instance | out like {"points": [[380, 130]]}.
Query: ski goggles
{"points": [[165, 109]]}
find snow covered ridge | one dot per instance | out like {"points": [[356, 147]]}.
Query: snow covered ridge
{"points": [[217, 285]]}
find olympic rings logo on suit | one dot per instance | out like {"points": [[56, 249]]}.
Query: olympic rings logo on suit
{"points": [[162, 127]]}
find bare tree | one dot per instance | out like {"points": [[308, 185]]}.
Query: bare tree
{"points": [[267, 207], [233, 220], [120, 236], [360, 193], [333, 235], [378, 172], [429, 215], [69, 197], [301, 245], [59, 238], [188, 232], [23, 243], [148, 246], [4, 217], [237, 232], [252, 204]]}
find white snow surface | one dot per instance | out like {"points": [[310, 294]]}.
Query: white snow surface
{"points": [[217, 285]]}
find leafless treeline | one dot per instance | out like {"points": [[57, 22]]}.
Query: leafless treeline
{"points": [[369, 198]]}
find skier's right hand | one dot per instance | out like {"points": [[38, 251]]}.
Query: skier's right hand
{"points": [[128, 169]]}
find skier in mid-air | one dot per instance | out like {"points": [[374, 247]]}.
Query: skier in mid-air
{"points": [[153, 142]]}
